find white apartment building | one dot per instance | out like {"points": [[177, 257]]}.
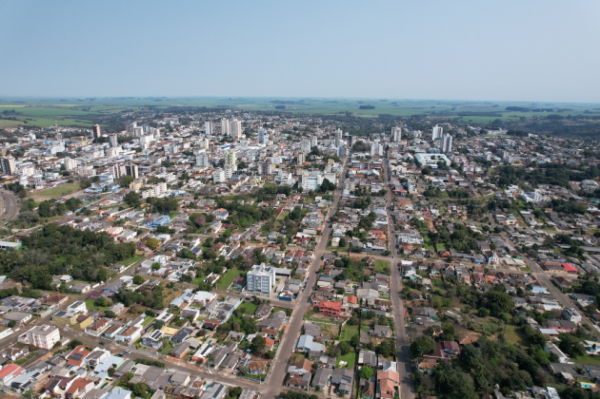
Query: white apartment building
{"points": [[225, 127], [235, 127], [396, 134], [208, 128], [437, 132], [219, 176], [230, 158], [156, 191], [204, 143], [260, 278], [41, 336], [70, 163], [311, 180], [338, 137], [202, 160], [313, 141], [447, 143], [262, 136], [376, 148]]}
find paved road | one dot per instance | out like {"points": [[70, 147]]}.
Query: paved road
{"points": [[9, 206], [402, 345], [276, 378]]}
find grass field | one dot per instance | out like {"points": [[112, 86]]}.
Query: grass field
{"points": [[89, 303], [248, 307], [148, 320], [282, 215], [167, 348], [348, 332], [225, 281], [349, 358], [512, 335], [380, 265], [586, 359], [59, 191], [133, 259]]}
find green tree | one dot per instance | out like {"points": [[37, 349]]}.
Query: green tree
{"points": [[366, 372], [132, 199]]}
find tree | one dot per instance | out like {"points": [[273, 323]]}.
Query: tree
{"points": [[343, 242], [258, 346], [74, 344], [158, 324], [12, 323], [155, 266], [345, 348], [366, 372], [137, 279], [110, 314], [126, 181], [153, 243], [571, 345], [132, 199]]}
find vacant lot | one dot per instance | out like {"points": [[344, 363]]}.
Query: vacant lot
{"points": [[226, 279], [59, 191], [382, 266]]}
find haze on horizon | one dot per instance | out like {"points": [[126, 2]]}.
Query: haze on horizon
{"points": [[467, 50]]}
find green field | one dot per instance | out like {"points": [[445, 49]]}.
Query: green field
{"points": [[348, 332], [133, 259], [59, 191], [65, 112], [226, 279], [586, 359], [380, 265], [248, 308], [89, 303], [148, 320]]}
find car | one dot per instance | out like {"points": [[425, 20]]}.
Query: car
{"points": [[101, 343], [248, 299], [121, 354]]}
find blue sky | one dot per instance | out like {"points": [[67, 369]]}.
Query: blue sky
{"points": [[539, 50]]}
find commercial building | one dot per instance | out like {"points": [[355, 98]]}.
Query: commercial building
{"points": [[311, 180], [260, 278], [41, 336]]}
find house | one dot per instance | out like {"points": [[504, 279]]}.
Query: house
{"points": [[571, 315], [388, 383], [426, 366], [264, 310], [77, 356], [300, 381], [153, 339], [451, 348], [321, 378], [118, 393], [381, 331], [342, 380], [305, 344], [300, 366], [215, 391], [330, 308]]}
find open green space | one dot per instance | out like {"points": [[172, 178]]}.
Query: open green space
{"points": [[380, 265], [59, 191], [586, 359], [511, 334], [349, 358], [148, 320], [283, 214], [133, 259], [348, 332], [89, 303], [226, 279], [167, 348], [248, 307]]}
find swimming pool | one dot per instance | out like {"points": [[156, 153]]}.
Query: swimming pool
{"points": [[586, 385]]}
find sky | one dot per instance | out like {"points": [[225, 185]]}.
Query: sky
{"points": [[510, 50]]}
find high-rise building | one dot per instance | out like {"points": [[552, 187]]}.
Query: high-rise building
{"points": [[230, 158], [396, 134], [70, 163], [262, 136], [132, 170], [225, 127], [338, 137], [261, 278], [208, 128], [96, 132], [305, 145], [204, 143], [8, 166], [437, 132], [300, 158], [311, 180], [202, 161], [447, 143], [376, 148], [265, 168], [118, 171], [138, 131], [131, 126], [313, 141], [219, 176], [235, 129], [341, 150], [113, 141]]}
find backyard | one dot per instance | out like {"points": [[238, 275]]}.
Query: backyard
{"points": [[226, 279]]}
